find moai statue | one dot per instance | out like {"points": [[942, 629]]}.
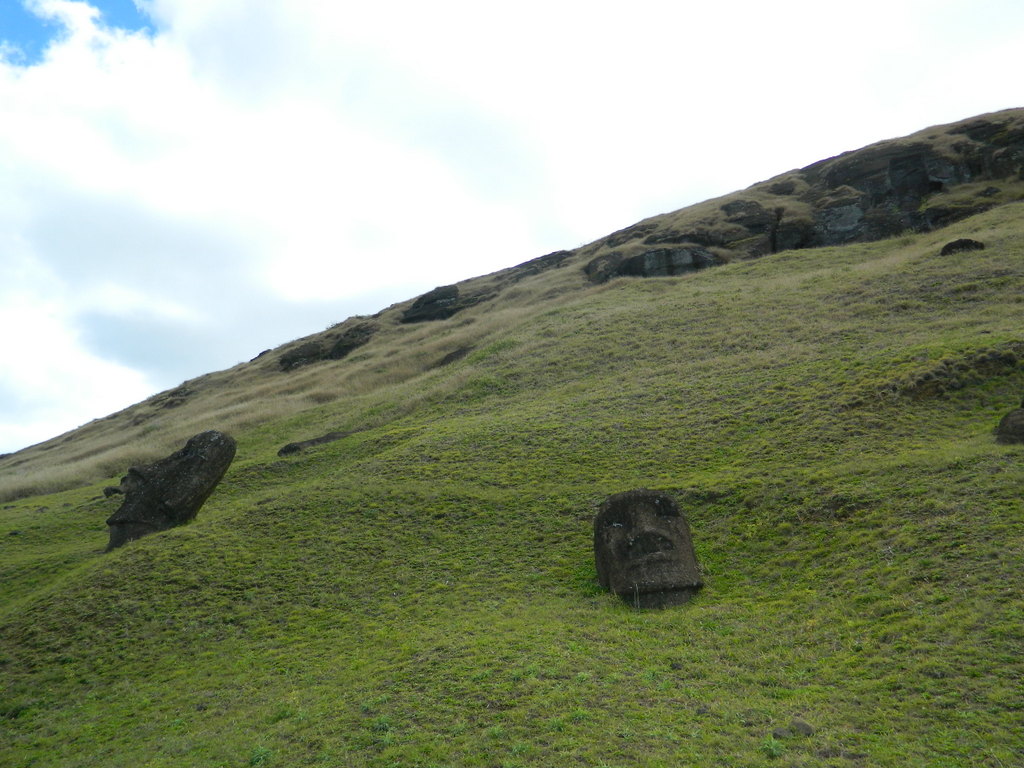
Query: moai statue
{"points": [[643, 550], [169, 492]]}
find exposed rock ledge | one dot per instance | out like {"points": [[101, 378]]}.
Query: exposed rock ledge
{"points": [[917, 183]]}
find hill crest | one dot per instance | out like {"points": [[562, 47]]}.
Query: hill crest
{"points": [[918, 183]]}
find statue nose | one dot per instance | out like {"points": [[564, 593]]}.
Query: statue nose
{"points": [[648, 543]]}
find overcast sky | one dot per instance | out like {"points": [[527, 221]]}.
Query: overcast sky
{"points": [[185, 183]]}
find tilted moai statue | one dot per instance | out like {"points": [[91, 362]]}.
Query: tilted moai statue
{"points": [[643, 550], [169, 492]]}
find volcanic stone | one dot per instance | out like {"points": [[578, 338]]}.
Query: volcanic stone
{"points": [[961, 245], [438, 304], [643, 550], [170, 492], [301, 445]]}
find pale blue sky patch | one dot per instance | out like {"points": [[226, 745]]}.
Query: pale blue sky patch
{"points": [[25, 33]]}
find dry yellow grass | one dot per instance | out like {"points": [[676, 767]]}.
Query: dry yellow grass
{"points": [[259, 391]]}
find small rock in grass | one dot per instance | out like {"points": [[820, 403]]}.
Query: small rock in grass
{"points": [[960, 246], [801, 726]]}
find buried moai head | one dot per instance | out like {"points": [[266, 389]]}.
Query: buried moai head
{"points": [[169, 492], [643, 550]]}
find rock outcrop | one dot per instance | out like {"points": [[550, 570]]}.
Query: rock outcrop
{"points": [[962, 245], [336, 344], [656, 262], [304, 354], [441, 303], [301, 445], [917, 183], [170, 492]]}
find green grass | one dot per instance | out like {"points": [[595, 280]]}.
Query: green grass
{"points": [[422, 592]]}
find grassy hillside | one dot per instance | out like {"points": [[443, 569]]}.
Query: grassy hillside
{"points": [[422, 592], [916, 183]]}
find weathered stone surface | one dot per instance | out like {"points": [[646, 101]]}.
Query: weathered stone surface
{"points": [[298, 447], [791, 233], [341, 340], [1010, 429], [894, 179], [173, 398], [751, 215], [690, 237], [643, 550], [439, 304], [657, 262], [350, 339], [872, 193], [170, 492], [304, 354], [961, 245], [535, 266]]}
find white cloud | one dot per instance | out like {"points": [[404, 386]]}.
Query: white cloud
{"points": [[252, 170], [49, 382]]}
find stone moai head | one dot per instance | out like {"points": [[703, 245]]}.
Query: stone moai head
{"points": [[643, 550], [169, 492]]}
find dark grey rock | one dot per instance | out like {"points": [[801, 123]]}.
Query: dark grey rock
{"points": [[657, 262], [298, 447], [350, 339], [690, 237], [962, 245], [750, 215], [340, 341], [440, 304], [875, 192], [170, 492], [304, 354], [535, 266]]}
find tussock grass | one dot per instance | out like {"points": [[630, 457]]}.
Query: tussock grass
{"points": [[422, 591]]}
